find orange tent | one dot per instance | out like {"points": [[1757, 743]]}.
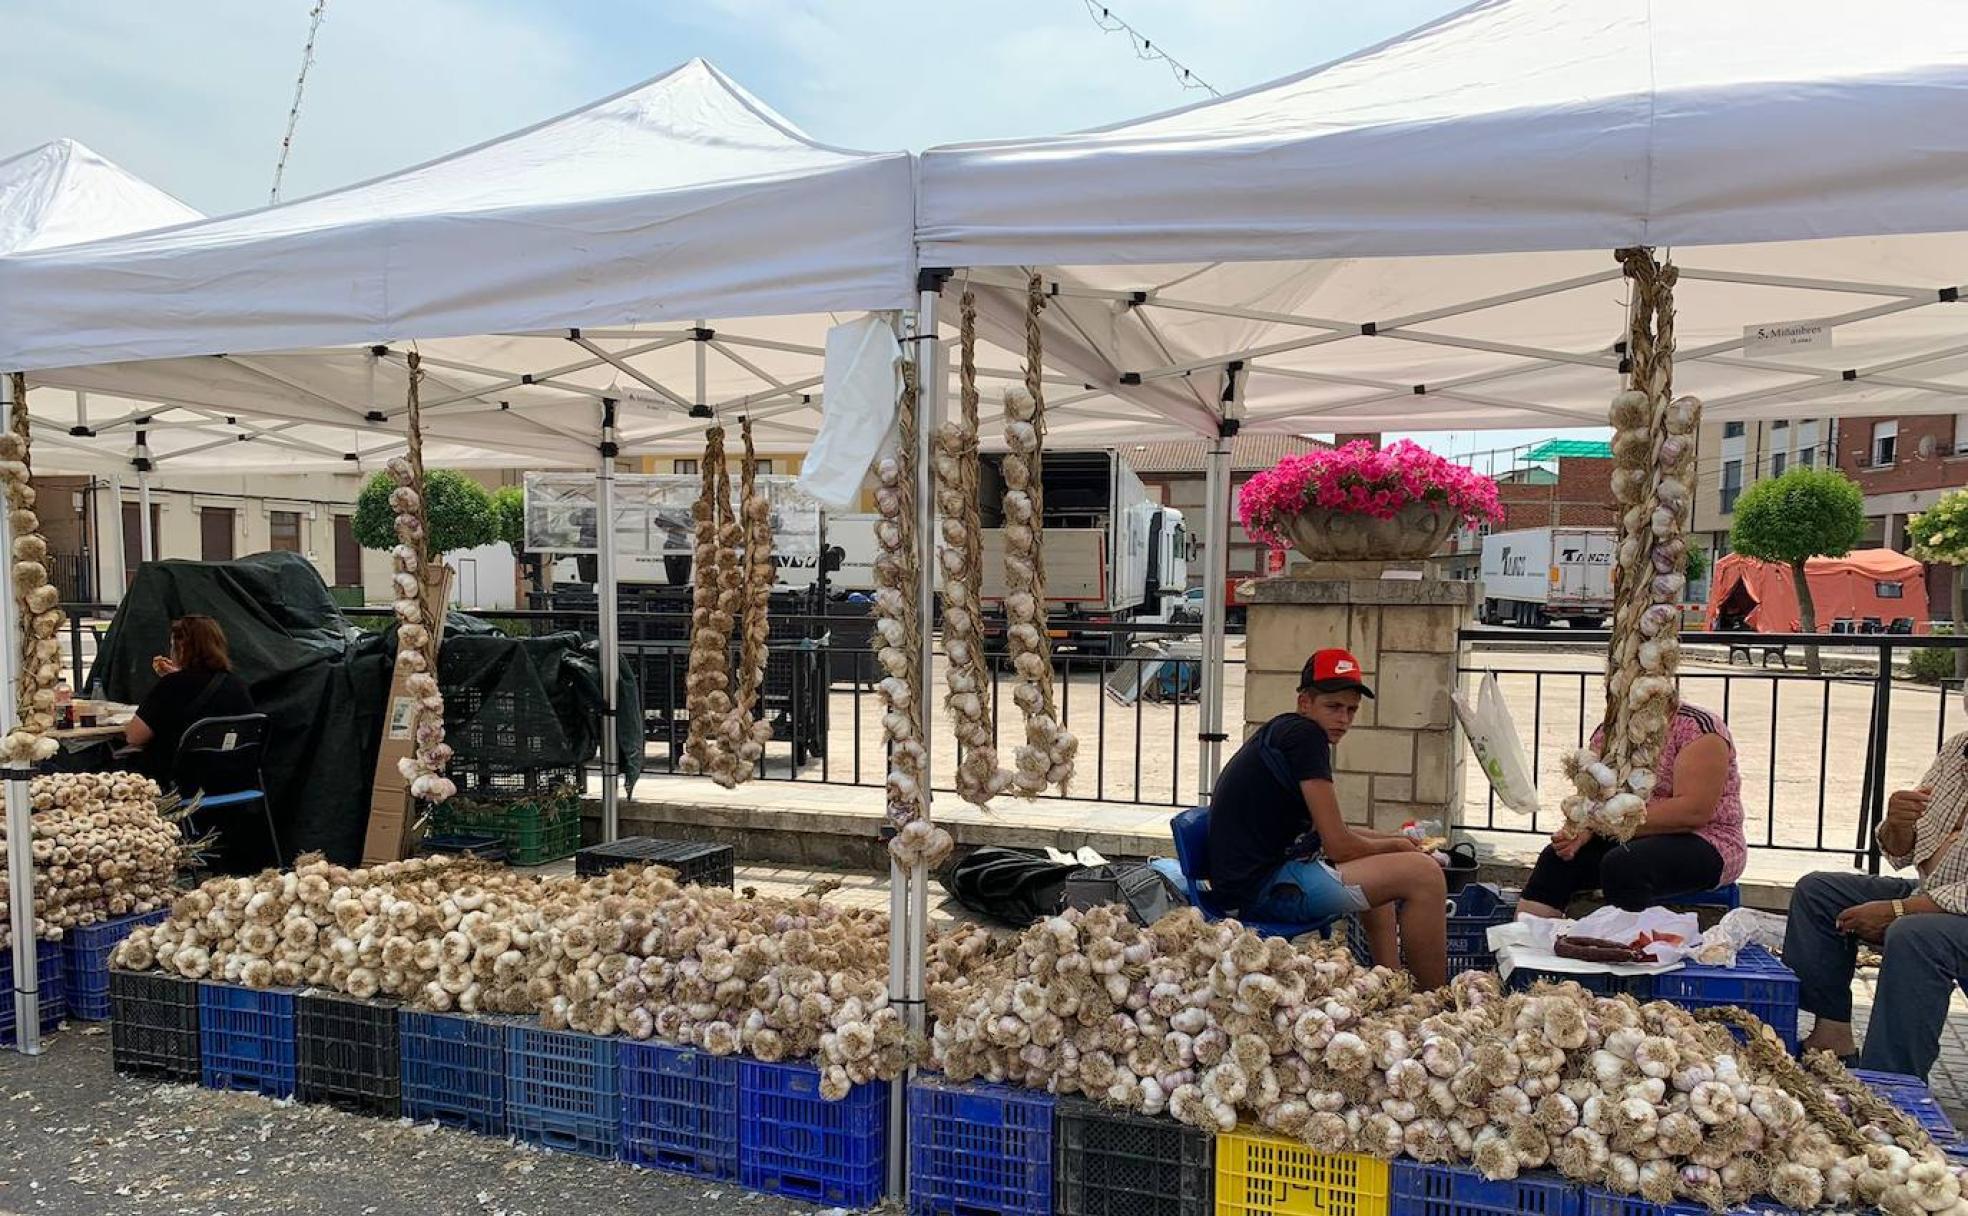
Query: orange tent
{"points": [[1877, 583]]}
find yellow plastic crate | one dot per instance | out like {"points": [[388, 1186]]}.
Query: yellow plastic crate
{"points": [[1258, 1175]]}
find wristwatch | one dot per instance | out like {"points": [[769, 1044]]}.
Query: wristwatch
{"points": [[1899, 908]]}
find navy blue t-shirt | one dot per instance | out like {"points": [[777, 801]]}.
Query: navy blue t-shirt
{"points": [[1258, 811]]}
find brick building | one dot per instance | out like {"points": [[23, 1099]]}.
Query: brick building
{"points": [[1730, 457], [1903, 466], [1560, 483]]}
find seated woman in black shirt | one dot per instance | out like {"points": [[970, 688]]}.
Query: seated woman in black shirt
{"points": [[1281, 850], [197, 683]]}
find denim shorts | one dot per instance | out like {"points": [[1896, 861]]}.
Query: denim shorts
{"points": [[1304, 891]]}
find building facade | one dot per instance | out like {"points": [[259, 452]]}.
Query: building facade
{"points": [[1903, 466], [1732, 456]]}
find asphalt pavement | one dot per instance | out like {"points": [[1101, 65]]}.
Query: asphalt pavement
{"points": [[76, 1139]]}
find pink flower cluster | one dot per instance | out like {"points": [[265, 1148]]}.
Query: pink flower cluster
{"points": [[1362, 480]]}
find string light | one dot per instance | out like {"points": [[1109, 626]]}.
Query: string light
{"points": [[294, 111], [1144, 48]]}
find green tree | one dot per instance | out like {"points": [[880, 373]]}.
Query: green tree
{"points": [[509, 509], [1940, 534], [1806, 513], [459, 510], [1697, 565]]}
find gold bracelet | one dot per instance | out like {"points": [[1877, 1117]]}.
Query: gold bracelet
{"points": [[1899, 908]]}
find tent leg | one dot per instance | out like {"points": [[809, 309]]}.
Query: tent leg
{"points": [[20, 827], [608, 610], [149, 549], [1216, 578]]}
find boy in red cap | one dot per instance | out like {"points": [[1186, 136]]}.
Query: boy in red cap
{"points": [[1281, 850]]}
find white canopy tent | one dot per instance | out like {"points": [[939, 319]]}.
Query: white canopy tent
{"points": [[1420, 236], [570, 290]]}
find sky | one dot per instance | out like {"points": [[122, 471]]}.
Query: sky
{"points": [[194, 95]]}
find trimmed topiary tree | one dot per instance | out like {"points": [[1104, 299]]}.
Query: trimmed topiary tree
{"points": [[459, 509], [1806, 513], [1940, 534]]}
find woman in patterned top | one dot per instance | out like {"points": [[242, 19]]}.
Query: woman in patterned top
{"points": [[1920, 923], [1692, 839]]}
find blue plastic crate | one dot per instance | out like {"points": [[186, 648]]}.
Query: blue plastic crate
{"points": [[1469, 939], [1605, 1203], [1758, 983], [793, 1142], [85, 962], [1447, 1190], [978, 1149], [1913, 1096], [562, 1090], [1599, 983], [246, 1039], [454, 1071], [49, 977], [679, 1110]]}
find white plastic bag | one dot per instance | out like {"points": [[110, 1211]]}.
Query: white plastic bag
{"points": [[862, 377], [1493, 737]]}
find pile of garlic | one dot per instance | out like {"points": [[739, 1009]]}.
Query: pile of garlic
{"points": [[628, 952], [416, 636], [1218, 1026], [967, 672], [1046, 757], [1654, 447], [103, 847], [717, 731], [37, 597]]}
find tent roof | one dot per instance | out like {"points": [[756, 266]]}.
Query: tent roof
{"points": [[1886, 564], [61, 193], [682, 197], [1420, 236], [1509, 125]]}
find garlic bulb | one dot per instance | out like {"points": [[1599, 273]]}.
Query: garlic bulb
{"points": [[717, 602], [37, 597], [1046, 758], [1653, 445], [898, 626], [418, 613], [979, 777]]}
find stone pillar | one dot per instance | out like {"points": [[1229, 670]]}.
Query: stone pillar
{"points": [[1403, 758]]}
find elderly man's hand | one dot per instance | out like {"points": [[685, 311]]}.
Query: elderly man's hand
{"points": [[1905, 807], [1868, 922]]}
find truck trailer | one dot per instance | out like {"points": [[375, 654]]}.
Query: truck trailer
{"points": [[1537, 576]]}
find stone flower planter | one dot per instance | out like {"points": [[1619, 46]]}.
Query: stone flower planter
{"points": [[1415, 531]]}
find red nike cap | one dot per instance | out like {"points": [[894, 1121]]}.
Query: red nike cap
{"points": [[1332, 670]]}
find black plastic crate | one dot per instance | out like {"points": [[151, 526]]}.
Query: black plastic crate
{"points": [[695, 862], [1114, 1163], [153, 1025], [485, 846], [485, 779], [346, 1053]]}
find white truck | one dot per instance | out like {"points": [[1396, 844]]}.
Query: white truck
{"points": [[1535, 576], [1112, 553]]}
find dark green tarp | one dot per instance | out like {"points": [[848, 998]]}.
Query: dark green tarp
{"points": [[322, 683]]}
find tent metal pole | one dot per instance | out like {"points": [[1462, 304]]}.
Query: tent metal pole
{"points": [[1216, 569], [609, 608], [142, 463], [20, 823], [931, 369]]}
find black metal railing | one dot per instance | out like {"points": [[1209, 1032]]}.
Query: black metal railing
{"points": [[819, 694], [1817, 754]]}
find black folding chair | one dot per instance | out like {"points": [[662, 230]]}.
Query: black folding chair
{"points": [[219, 763]]}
